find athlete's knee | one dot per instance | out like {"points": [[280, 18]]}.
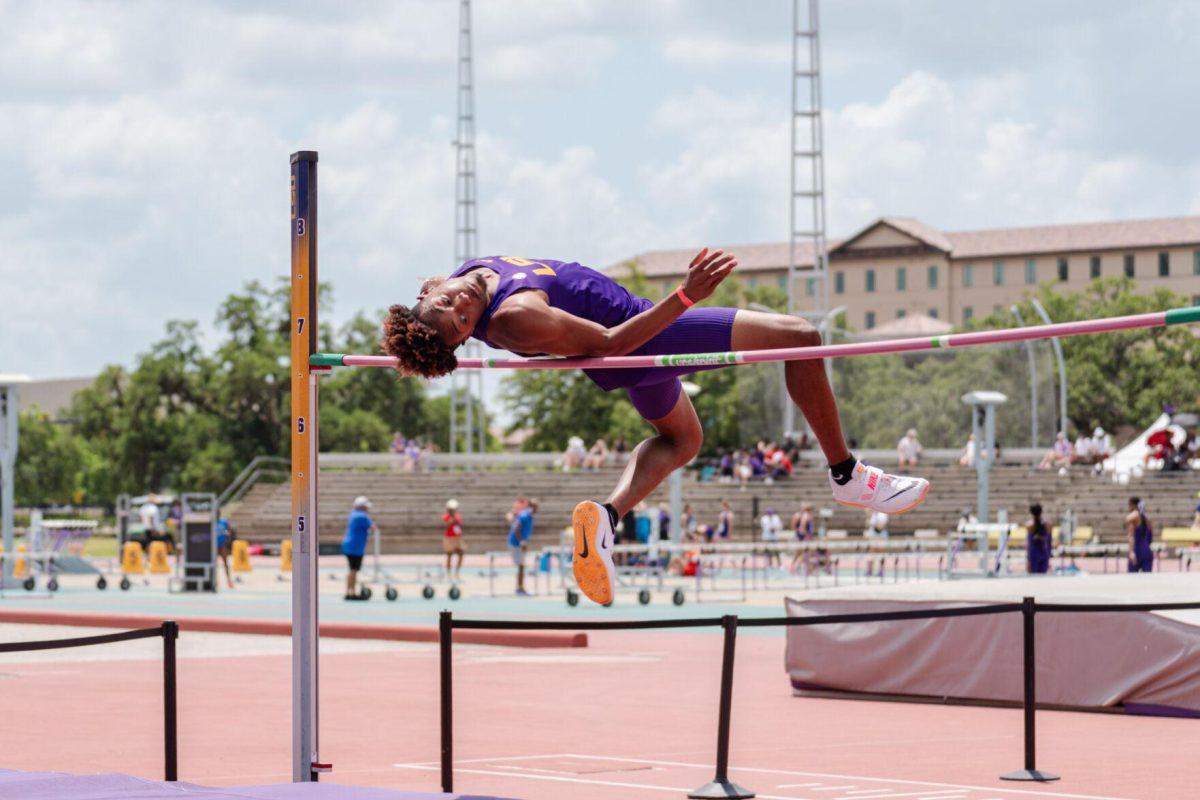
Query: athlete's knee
{"points": [[801, 332]]}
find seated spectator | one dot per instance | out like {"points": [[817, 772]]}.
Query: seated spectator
{"points": [[1083, 450], [620, 449], [772, 526], [1102, 448], [574, 455], [908, 449], [725, 521], [744, 469], [597, 456], [780, 465], [1058, 456], [1160, 447], [877, 524], [966, 517], [727, 466], [967, 457], [1196, 515]]}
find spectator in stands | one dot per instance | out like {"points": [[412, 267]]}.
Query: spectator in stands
{"points": [[1196, 515], [908, 449], [965, 517], [1083, 450], [1160, 447], [597, 456], [1037, 543], [452, 537], [771, 525], [1059, 456], [520, 530], [1141, 536], [412, 455], [664, 522], [359, 526], [804, 529], [574, 455], [779, 464], [967, 457], [726, 467], [620, 450], [877, 524], [397, 448], [725, 521], [688, 523], [1102, 447]]}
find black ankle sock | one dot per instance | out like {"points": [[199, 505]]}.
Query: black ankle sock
{"points": [[843, 471], [612, 514]]}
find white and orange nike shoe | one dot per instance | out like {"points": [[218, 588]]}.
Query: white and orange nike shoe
{"points": [[592, 561], [871, 487]]}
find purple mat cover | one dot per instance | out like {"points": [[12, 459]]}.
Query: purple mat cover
{"points": [[115, 786]]}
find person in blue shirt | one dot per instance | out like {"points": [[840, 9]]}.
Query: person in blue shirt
{"points": [[1037, 543], [359, 527], [225, 546], [1141, 537], [520, 529]]}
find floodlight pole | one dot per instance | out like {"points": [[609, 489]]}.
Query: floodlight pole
{"points": [[306, 763], [1062, 369], [9, 392], [1033, 383]]}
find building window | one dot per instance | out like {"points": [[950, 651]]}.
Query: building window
{"points": [[781, 282], [998, 273], [901, 313], [901, 279], [870, 280], [1196, 262], [870, 320], [1164, 265], [931, 272], [839, 282], [1196, 299], [1094, 267], [968, 275], [668, 286], [968, 312], [1063, 271], [753, 281], [933, 312], [1030, 271], [1129, 271]]}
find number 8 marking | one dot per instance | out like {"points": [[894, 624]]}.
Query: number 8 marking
{"points": [[300, 226]]}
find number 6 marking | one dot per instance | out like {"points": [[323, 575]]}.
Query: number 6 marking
{"points": [[300, 425]]}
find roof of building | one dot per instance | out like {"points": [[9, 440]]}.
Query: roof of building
{"points": [[52, 395], [959, 245], [907, 326]]}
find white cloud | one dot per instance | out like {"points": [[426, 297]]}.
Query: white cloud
{"points": [[716, 50]]}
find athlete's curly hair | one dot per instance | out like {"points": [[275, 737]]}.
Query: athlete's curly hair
{"points": [[416, 344]]}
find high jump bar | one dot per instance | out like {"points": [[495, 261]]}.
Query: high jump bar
{"points": [[1157, 319]]}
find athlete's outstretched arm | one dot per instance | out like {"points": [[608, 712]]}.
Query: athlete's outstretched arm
{"points": [[528, 324]]}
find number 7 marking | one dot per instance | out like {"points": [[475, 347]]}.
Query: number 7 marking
{"points": [[299, 325]]}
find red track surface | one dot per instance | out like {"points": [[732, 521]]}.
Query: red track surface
{"points": [[634, 715]]}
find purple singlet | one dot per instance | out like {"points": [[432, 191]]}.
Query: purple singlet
{"points": [[591, 295]]}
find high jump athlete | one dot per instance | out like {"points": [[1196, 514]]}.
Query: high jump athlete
{"points": [[543, 307]]}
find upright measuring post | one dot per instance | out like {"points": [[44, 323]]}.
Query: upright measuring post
{"points": [[305, 760]]}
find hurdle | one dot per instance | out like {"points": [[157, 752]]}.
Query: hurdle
{"points": [[308, 364]]}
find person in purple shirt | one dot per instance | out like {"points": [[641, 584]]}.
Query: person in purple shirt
{"points": [[544, 307]]}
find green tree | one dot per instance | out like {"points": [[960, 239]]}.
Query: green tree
{"points": [[51, 461]]}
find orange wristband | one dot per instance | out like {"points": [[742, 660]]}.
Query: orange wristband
{"points": [[683, 298]]}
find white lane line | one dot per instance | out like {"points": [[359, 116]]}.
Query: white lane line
{"points": [[796, 785], [821, 788], [485, 760], [1019, 792]]}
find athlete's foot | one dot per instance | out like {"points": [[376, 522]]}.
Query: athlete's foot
{"points": [[592, 561], [871, 487]]}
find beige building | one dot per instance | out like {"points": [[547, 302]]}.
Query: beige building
{"points": [[898, 266]]}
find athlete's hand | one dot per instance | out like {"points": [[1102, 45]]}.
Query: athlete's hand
{"points": [[706, 272]]}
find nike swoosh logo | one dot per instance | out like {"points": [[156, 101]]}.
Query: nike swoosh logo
{"points": [[897, 494], [584, 554], [604, 542]]}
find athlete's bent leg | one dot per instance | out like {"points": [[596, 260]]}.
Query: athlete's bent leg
{"points": [[807, 383], [678, 440], [676, 443], [853, 483]]}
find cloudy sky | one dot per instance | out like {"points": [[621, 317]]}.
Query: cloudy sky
{"points": [[143, 145]]}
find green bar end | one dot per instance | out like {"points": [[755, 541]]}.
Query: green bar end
{"points": [[325, 360], [1180, 316]]}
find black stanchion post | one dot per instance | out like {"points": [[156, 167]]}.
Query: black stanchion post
{"points": [[170, 632], [446, 632], [720, 786], [1031, 772]]}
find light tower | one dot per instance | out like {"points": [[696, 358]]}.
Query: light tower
{"points": [[807, 202], [466, 388]]}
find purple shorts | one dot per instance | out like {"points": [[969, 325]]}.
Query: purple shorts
{"points": [[654, 390]]}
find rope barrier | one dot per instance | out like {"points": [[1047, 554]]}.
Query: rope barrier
{"points": [[1158, 319]]}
